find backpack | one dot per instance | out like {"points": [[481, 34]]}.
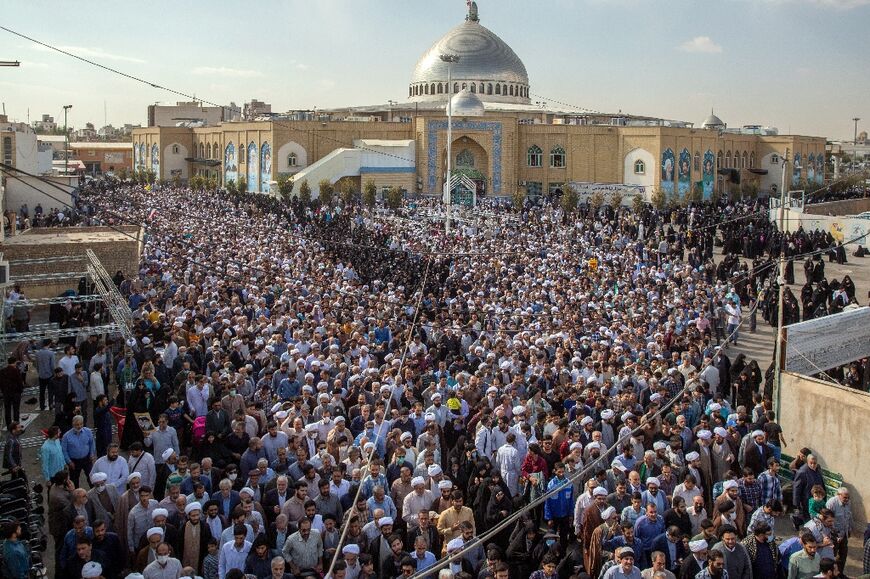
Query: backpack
{"points": [[198, 429]]}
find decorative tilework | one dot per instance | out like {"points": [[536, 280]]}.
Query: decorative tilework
{"points": [[432, 147]]}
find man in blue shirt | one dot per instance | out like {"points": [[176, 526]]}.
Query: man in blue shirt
{"points": [[79, 449]]}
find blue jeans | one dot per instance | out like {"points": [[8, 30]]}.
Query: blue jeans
{"points": [[732, 329]]}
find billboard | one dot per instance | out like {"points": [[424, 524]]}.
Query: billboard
{"points": [[824, 343], [707, 179], [667, 180], [684, 173]]}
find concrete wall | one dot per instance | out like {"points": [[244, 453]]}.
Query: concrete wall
{"points": [[834, 422], [851, 231], [35, 191], [846, 207]]}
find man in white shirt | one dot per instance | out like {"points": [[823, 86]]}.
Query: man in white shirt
{"points": [[733, 321], [116, 469], [234, 553]]}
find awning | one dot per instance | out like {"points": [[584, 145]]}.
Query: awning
{"points": [[758, 171], [201, 161]]}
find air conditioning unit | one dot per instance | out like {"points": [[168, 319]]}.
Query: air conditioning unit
{"points": [[4, 272]]}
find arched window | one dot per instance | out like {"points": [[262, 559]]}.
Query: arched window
{"points": [[752, 160], [557, 157], [214, 151], [175, 150], [728, 160], [291, 160], [745, 161], [497, 88], [473, 88], [511, 89], [489, 88], [440, 88], [201, 151], [481, 89], [426, 89], [432, 88], [697, 161], [719, 164], [504, 89], [242, 153], [208, 151], [410, 91], [639, 167], [455, 87], [535, 156], [464, 86]]}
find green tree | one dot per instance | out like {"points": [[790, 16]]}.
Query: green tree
{"points": [[305, 193], [658, 198], [370, 193], [212, 183], [519, 198], [195, 182], [150, 176], [394, 197], [596, 200], [285, 187], [122, 174], [326, 192], [569, 200], [232, 186], [243, 184], [346, 191], [616, 200], [637, 205]]}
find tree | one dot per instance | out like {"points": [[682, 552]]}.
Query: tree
{"points": [[346, 191], [696, 193], [616, 200], [658, 199], [637, 205], [122, 174], [394, 197], [232, 187], [243, 184], [150, 176], [519, 198], [370, 193], [569, 200], [326, 192], [285, 187], [305, 193], [211, 183], [196, 182], [596, 200]]}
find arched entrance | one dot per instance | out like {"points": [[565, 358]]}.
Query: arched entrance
{"points": [[471, 160]]}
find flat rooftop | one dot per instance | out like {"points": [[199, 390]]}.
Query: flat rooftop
{"points": [[64, 235]]}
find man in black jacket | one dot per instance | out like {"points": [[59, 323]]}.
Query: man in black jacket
{"points": [[11, 386]]}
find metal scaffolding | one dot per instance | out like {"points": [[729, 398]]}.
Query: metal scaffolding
{"points": [[94, 273]]}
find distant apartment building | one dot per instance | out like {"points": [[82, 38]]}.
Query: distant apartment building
{"points": [[183, 113]]}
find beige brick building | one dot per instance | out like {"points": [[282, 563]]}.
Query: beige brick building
{"points": [[501, 140]]}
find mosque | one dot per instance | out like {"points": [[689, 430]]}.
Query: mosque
{"points": [[502, 141]]}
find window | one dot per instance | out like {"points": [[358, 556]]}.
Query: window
{"points": [[745, 161], [175, 149], [728, 160], [533, 189], [489, 88], [440, 88], [208, 151], [497, 89], [557, 157], [555, 189], [464, 86], [481, 89], [7, 150], [534, 157], [504, 89], [511, 89], [432, 88], [774, 159], [719, 164], [697, 161], [201, 151], [752, 160], [465, 158], [291, 160], [473, 88], [242, 153], [455, 87], [639, 167]]}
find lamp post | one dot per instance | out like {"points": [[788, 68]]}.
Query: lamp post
{"points": [[781, 280], [449, 59], [66, 109], [856, 119]]}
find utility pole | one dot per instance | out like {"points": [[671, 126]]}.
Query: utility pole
{"points": [[856, 119], [449, 59], [781, 280], [66, 109]]}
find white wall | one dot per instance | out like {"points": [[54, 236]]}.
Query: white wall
{"points": [[18, 193], [774, 173], [174, 161], [629, 177], [284, 153]]}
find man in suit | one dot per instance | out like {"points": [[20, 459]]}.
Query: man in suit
{"points": [[217, 421], [692, 565], [274, 499], [671, 544], [227, 498], [756, 453]]}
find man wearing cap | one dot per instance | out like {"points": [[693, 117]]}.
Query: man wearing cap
{"points": [[654, 495], [350, 556], [103, 498], [731, 492], [148, 554], [592, 515], [757, 453], [624, 568], [692, 565], [193, 538]]}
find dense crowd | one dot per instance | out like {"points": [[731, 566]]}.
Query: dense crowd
{"points": [[355, 393]]}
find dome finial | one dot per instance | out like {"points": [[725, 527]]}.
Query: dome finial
{"points": [[472, 15]]}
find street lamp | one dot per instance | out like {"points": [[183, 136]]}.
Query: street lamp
{"points": [[450, 59], [856, 119], [781, 281], [66, 108]]}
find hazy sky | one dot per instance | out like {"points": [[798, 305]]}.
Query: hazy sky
{"points": [[799, 65]]}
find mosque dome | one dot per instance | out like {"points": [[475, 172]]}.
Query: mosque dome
{"points": [[467, 104], [487, 66], [713, 122]]}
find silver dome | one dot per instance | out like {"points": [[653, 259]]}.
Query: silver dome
{"points": [[467, 104], [712, 122], [484, 58]]}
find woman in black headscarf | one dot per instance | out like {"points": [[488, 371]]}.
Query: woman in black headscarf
{"points": [[499, 508], [140, 400]]}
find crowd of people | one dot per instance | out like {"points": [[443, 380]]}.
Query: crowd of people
{"points": [[355, 393]]}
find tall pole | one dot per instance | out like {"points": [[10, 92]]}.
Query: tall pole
{"points": [[449, 59], [856, 119], [449, 142], [66, 108], [781, 280]]}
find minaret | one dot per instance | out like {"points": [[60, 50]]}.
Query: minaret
{"points": [[472, 15]]}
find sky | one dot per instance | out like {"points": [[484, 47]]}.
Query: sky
{"points": [[798, 65]]}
